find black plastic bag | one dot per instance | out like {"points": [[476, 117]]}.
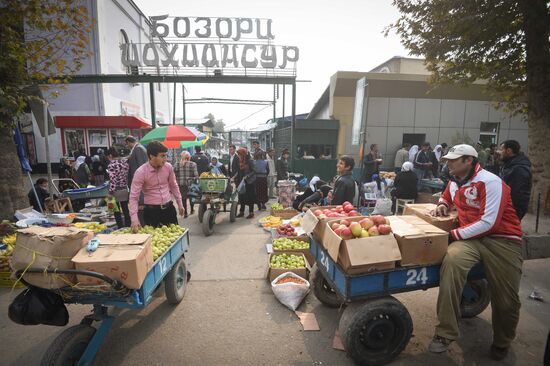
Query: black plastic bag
{"points": [[38, 306]]}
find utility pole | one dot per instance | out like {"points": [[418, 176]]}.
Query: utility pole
{"points": [[183, 98]]}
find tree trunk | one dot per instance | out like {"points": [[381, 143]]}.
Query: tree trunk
{"points": [[536, 23], [12, 185]]}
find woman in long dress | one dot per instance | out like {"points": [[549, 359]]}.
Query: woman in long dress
{"points": [[248, 174]]}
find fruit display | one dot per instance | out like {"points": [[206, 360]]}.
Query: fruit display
{"points": [[295, 222], [289, 244], [290, 279], [287, 261], [286, 230], [344, 210], [163, 237], [211, 175], [369, 226], [277, 206], [387, 175], [270, 222], [96, 227]]}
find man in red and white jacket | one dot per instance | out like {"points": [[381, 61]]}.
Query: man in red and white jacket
{"points": [[489, 232]]}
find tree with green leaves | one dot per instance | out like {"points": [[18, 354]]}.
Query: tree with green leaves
{"points": [[39, 41], [502, 42]]}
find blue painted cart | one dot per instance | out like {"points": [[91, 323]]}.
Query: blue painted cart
{"points": [[375, 327], [79, 344]]}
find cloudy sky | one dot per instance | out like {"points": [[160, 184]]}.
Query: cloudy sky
{"points": [[332, 36]]}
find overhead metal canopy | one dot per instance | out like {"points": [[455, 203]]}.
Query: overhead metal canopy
{"points": [[146, 78]]}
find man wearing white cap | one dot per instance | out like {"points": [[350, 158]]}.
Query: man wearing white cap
{"points": [[489, 232]]}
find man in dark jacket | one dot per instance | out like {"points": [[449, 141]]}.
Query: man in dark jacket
{"points": [[371, 163], [516, 173], [138, 157], [202, 161], [344, 186], [41, 187], [233, 166]]}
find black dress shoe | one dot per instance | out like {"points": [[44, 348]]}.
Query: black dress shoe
{"points": [[498, 353], [250, 215], [241, 214]]}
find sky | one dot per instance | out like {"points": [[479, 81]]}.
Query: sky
{"points": [[345, 35]]}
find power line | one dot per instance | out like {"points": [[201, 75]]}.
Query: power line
{"points": [[247, 117]]}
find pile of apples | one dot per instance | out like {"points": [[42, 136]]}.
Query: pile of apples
{"points": [[286, 230], [369, 226], [344, 210]]}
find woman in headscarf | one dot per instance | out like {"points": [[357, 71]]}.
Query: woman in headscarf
{"points": [[216, 167], [312, 188], [412, 153], [248, 174], [405, 184], [98, 169], [436, 159], [82, 172]]}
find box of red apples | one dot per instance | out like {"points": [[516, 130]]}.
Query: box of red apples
{"points": [[315, 219]]}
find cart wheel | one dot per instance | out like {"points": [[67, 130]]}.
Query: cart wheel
{"points": [[208, 222], [475, 298], [69, 346], [376, 331], [202, 210], [233, 211], [322, 290], [175, 283]]}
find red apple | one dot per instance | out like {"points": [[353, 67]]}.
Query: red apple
{"points": [[334, 225], [346, 233], [348, 208], [378, 219], [366, 223], [373, 231], [318, 212], [355, 229], [339, 209], [384, 229], [344, 222], [342, 227], [353, 213], [338, 232], [346, 203]]}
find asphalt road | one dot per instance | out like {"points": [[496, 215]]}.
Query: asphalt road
{"points": [[229, 316]]}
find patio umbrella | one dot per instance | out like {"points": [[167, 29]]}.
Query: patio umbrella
{"points": [[173, 136]]}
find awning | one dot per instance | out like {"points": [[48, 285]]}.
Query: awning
{"points": [[101, 122]]}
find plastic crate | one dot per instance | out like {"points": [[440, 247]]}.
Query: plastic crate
{"points": [[213, 185], [7, 281]]}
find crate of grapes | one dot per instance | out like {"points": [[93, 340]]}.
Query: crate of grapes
{"points": [[213, 185]]}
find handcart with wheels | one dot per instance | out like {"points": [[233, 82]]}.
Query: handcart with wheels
{"points": [[217, 195], [79, 344], [375, 327]]}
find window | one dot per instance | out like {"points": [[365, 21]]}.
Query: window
{"points": [[414, 138], [488, 133], [74, 141], [317, 151], [97, 139]]}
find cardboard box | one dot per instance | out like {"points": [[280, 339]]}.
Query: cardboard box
{"points": [[48, 248], [126, 258], [419, 242], [315, 226], [273, 273], [306, 252], [361, 255], [424, 210]]}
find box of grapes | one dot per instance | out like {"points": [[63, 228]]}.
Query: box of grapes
{"points": [[299, 244], [280, 263]]}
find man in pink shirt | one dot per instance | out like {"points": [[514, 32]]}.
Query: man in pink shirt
{"points": [[157, 181]]}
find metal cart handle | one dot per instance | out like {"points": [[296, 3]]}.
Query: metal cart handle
{"points": [[114, 283]]}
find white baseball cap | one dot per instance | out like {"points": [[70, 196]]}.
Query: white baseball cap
{"points": [[458, 151]]}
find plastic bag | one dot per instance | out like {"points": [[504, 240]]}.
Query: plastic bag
{"points": [[38, 306], [290, 294], [241, 188], [383, 207]]}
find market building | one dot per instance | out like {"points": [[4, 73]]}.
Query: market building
{"points": [[92, 116], [401, 106]]}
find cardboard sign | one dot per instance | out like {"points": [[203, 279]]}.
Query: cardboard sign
{"points": [[424, 211]]}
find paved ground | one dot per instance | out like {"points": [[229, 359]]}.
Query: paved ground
{"points": [[230, 317]]}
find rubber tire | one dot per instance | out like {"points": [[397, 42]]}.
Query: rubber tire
{"points": [[322, 290], [68, 345], [469, 309], [358, 317], [233, 211], [175, 282], [201, 211], [208, 222]]}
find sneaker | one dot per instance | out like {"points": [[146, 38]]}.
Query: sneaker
{"points": [[439, 344], [498, 353]]}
